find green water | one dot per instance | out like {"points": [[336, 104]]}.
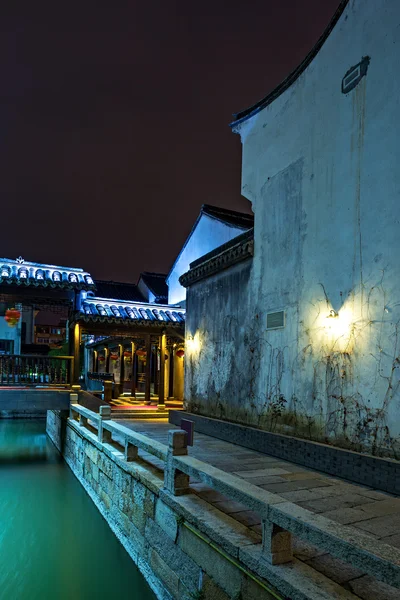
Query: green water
{"points": [[54, 544]]}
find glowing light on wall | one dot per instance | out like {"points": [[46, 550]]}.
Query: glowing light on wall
{"points": [[193, 343], [339, 324]]}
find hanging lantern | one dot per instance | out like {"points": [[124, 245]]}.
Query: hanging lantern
{"points": [[127, 356], [12, 317], [102, 358], [180, 353], [114, 357], [141, 354]]}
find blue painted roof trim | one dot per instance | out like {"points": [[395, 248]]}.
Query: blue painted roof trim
{"points": [[21, 272], [108, 309]]}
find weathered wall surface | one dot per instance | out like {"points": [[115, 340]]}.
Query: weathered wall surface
{"points": [[218, 369], [159, 531], [31, 401], [321, 170]]}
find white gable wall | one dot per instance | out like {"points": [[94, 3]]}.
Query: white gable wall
{"points": [[207, 235], [321, 169]]}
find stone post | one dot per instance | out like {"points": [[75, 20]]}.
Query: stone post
{"points": [[107, 391], [104, 435], [276, 544], [73, 399], [175, 481], [131, 452]]}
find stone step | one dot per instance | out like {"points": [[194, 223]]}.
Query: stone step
{"points": [[136, 414]]}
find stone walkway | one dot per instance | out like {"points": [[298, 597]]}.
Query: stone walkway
{"points": [[373, 512]]}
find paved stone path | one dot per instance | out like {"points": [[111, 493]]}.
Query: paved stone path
{"points": [[373, 512]]}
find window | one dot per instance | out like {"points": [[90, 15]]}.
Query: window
{"points": [[6, 346]]}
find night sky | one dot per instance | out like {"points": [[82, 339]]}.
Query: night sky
{"points": [[114, 120]]}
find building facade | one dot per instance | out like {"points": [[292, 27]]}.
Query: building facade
{"points": [[303, 337], [214, 226]]}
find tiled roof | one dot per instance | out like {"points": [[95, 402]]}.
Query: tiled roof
{"points": [[104, 310], [231, 217], [115, 289], [21, 272], [156, 282]]}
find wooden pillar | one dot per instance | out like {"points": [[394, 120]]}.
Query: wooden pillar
{"points": [[107, 357], [161, 385], [121, 368], [76, 354], [147, 397], [133, 387], [171, 372]]}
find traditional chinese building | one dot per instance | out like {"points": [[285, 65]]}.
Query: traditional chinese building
{"points": [[214, 226], [297, 329], [151, 333]]}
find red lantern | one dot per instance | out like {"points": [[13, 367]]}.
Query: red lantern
{"points": [[141, 354], [114, 357], [127, 354], [180, 353], [102, 358], [12, 317]]}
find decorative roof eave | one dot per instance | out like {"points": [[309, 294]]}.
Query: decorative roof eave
{"points": [[81, 317], [237, 250], [31, 274], [32, 282], [291, 78], [205, 211]]}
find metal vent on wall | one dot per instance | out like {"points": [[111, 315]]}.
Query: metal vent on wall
{"points": [[276, 320]]}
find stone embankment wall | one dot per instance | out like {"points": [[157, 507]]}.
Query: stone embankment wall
{"points": [[174, 541]]}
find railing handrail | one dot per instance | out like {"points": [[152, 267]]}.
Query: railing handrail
{"points": [[341, 540], [35, 356], [141, 441]]}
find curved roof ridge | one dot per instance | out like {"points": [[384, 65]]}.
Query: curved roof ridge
{"points": [[291, 78]]}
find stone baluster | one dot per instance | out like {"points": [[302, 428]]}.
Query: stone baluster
{"points": [[276, 544], [131, 451], [104, 435], [175, 481]]}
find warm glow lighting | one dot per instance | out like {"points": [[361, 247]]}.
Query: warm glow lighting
{"points": [[339, 325], [193, 343]]}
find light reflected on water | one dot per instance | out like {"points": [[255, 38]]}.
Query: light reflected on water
{"points": [[54, 544]]}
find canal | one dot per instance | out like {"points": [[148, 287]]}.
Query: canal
{"points": [[54, 544]]}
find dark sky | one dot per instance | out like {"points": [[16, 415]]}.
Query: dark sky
{"points": [[114, 120]]}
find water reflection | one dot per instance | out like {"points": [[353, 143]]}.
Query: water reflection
{"points": [[54, 544]]}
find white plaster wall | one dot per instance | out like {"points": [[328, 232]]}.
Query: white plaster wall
{"points": [[11, 333], [208, 235], [147, 294], [322, 171]]}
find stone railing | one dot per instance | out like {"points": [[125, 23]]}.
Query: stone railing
{"points": [[280, 518]]}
